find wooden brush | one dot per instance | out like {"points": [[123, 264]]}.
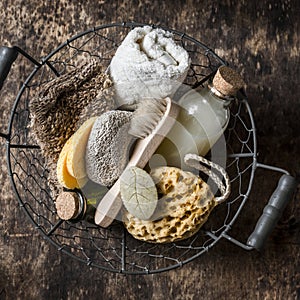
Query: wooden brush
{"points": [[151, 123]]}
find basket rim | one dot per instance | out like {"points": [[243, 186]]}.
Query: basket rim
{"points": [[9, 146]]}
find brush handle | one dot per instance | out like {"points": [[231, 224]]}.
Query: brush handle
{"points": [[109, 207], [111, 203]]}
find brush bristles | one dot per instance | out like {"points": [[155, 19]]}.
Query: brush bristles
{"points": [[147, 115]]}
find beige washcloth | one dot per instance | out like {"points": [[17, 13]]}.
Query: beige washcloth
{"points": [[64, 103]]}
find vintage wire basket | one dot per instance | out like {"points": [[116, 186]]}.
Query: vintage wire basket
{"points": [[112, 248]]}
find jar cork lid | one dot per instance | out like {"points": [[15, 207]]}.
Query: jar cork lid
{"points": [[67, 205], [227, 81]]}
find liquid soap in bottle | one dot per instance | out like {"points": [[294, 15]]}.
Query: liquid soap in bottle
{"points": [[203, 117]]}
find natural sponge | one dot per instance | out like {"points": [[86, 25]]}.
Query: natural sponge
{"points": [[107, 150], [183, 207]]}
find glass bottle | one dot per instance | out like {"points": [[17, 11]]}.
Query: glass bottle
{"points": [[203, 117], [76, 205]]}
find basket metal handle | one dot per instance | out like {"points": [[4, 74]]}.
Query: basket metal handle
{"points": [[272, 212], [9, 54], [7, 57]]}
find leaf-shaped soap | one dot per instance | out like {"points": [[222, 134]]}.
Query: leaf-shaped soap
{"points": [[138, 192]]}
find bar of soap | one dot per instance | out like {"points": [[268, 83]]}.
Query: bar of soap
{"points": [[63, 175], [76, 153], [138, 192]]}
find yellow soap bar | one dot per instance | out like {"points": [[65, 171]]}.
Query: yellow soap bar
{"points": [[70, 169], [76, 149], [63, 176]]}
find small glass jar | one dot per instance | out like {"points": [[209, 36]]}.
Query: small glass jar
{"points": [[77, 205]]}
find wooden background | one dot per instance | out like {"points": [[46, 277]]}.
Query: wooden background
{"points": [[261, 39]]}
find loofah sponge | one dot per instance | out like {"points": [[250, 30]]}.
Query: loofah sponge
{"points": [[183, 207], [107, 150]]}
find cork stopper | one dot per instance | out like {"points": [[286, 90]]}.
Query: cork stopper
{"points": [[67, 205], [227, 81]]}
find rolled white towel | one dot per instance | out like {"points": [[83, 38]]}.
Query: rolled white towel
{"points": [[148, 64]]}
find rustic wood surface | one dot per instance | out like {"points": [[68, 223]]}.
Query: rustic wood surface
{"points": [[260, 38]]}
